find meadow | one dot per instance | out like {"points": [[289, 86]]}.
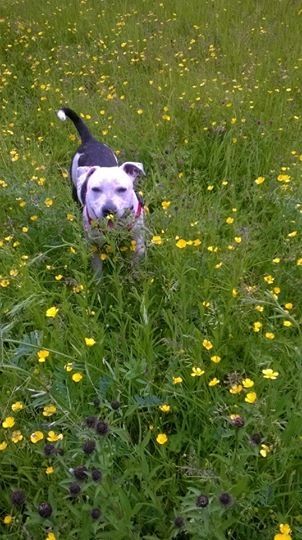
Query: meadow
{"points": [[164, 400]]}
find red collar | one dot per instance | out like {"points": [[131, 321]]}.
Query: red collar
{"points": [[138, 213], [140, 209]]}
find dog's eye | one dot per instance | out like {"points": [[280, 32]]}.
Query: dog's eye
{"points": [[121, 190], [96, 190]]}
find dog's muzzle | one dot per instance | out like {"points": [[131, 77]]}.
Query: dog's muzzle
{"points": [[110, 222], [109, 210]]}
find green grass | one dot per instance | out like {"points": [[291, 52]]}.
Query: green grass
{"points": [[208, 96]]}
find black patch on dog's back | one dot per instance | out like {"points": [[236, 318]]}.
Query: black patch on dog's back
{"points": [[96, 153]]}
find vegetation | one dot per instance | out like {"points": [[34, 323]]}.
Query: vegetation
{"points": [[163, 400]]}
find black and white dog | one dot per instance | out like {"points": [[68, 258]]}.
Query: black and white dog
{"points": [[100, 185]]}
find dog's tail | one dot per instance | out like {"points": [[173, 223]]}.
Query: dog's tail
{"points": [[82, 129]]}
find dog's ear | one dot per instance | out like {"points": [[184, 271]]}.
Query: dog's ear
{"points": [[133, 169], [82, 170], [84, 174]]}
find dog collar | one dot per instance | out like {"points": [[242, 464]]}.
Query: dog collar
{"points": [[138, 213], [140, 209]]}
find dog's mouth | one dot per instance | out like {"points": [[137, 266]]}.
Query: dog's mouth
{"points": [[111, 221]]}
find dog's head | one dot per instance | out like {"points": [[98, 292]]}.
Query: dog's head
{"points": [[108, 190]]}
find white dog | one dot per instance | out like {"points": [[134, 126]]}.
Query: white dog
{"points": [[101, 186]]}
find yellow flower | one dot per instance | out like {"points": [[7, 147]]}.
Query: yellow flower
{"points": [[237, 239], [17, 406], [207, 344], [36, 437], [236, 389], [216, 359], [3, 446], [281, 536], [165, 204], [58, 277], [48, 202], [270, 374], [229, 220], [42, 355], [292, 234], [165, 408], [264, 450], [287, 323], [161, 438], [288, 306], [133, 245], [51, 536], [284, 178], [250, 397], [68, 367], [49, 410], [181, 243], [259, 308], [156, 240], [269, 279], [247, 383], [285, 528], [214, 382], [196, 242], [177, 380], [49, 470], [299, 262], [77, 377], [257, 325], [259, 180], [269, 335], [8, 422], [8, 519], [16, 436], [52, 436], [52, 312], [234, 417], [78, 288], [89, 342], [197, 372]]}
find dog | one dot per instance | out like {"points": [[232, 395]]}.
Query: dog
{"points": [[102, 187]]}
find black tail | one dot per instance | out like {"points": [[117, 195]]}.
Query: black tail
{"points": [[78, 122]]}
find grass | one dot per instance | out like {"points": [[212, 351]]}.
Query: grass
{"points": [[208, 96]]}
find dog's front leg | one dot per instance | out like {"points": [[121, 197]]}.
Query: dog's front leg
{"points": [[138, 234], [96, 264]]}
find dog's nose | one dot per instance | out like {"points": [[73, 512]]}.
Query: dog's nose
{"points": [[108, 209]]}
